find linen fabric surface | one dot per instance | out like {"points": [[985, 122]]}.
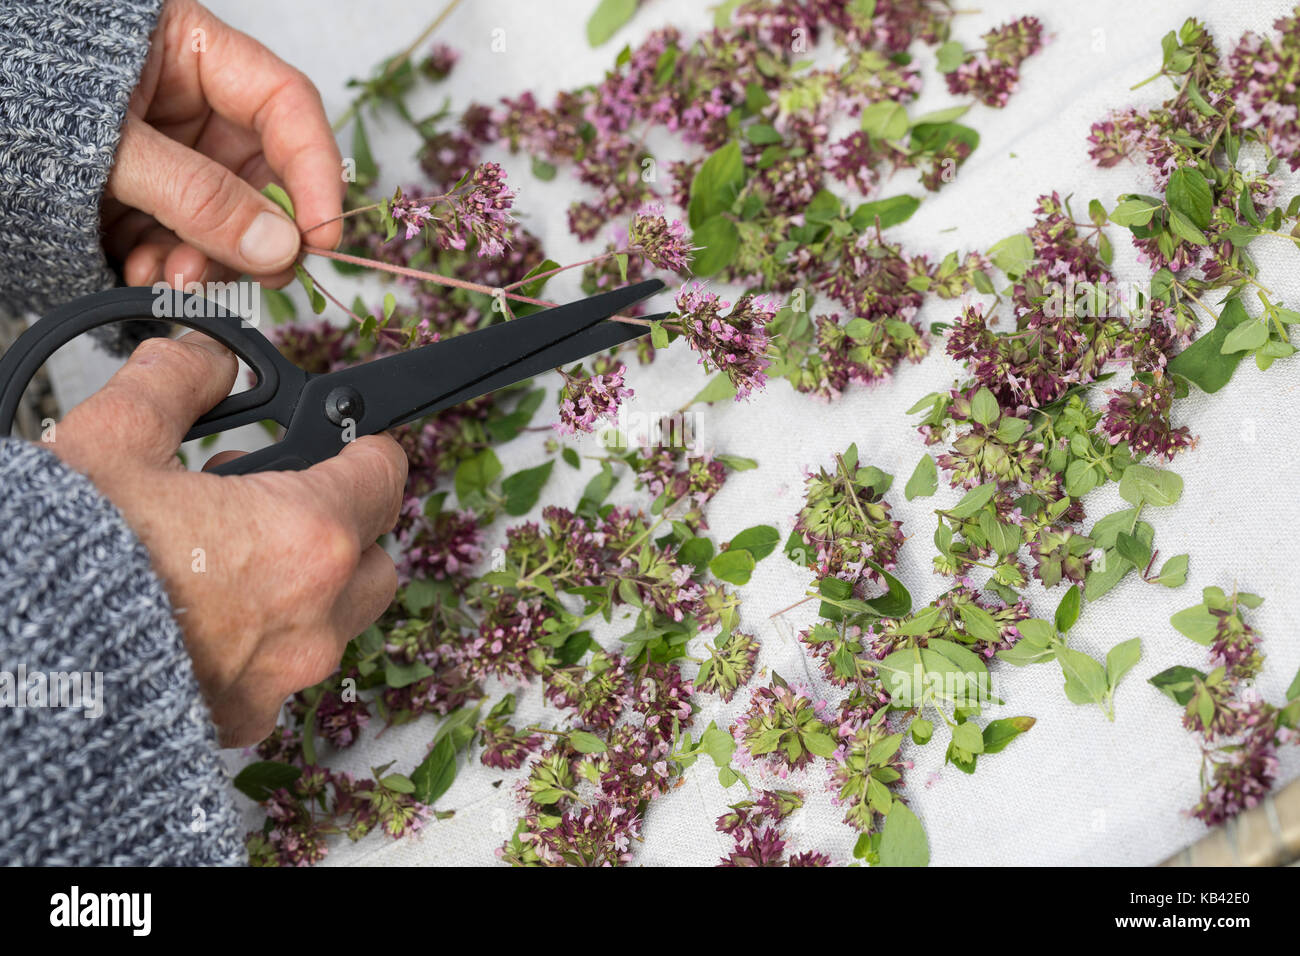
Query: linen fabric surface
{"points": [[1076, 789]]}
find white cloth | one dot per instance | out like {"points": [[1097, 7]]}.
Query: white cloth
{"points": [[1075, 789]]}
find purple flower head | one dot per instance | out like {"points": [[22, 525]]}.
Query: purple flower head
{"points": [[736, 343], [587, 400], [662, 242]]}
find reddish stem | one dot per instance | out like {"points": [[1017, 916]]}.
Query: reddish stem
{"points": [[444, 280]]}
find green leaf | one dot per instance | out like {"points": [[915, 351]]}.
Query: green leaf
{"points": [[1196, 623], [984, 407], [950, 56], [903, 841], [1085, 678], [922, 730], [1184, 228], [1013, 255], [1133, 549], [695, 552], [980, 624], [896, 602], [819, 744], [999, 733], [1174, 572], [760, 541], [932, 137], [942, 117], [1134, 212], [734, 567], [967, 736], [890, 211], [475, 475], [1120, 660], [1203, 363], [279, 305], [436, 773], [885, 120], [718, 744], [1245, 338], [878, 796], [1143, 484], [716, 185], [761, 134], [974, 500], [607, 18], [419, 594], [398, 783], [259, 780], [586, 743], [1067, 612], [736, 463], [523, 488], [366, 169], [1177, 683], [404, 675], [719, 389], [1293, 691], [1190, 194], [718, 242], [278, 196], [1011, 429], [924, 481], [314, 296], [543, 170], [906, 676]]}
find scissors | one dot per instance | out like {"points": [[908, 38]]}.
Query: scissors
{"points": [[321, 413]]}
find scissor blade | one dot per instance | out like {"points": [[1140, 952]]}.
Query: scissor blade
{"points": [[406, 386], [598, 338]]}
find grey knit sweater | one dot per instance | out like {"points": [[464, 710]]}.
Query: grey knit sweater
{"points": [[119, 763]]}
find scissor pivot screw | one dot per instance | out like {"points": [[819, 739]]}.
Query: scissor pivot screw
{"points": [[344, 404]]}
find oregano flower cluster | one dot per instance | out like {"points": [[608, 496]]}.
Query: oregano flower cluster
{"points": [[1239, 732]]}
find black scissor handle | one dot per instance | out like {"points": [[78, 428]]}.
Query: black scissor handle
{"points": [[274, 396]]}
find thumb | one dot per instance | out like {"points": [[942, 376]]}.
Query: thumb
{"points": [[205, 204], [149, 405]]}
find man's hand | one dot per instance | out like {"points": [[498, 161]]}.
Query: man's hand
{"points": [[215, 118], [270, 574]]}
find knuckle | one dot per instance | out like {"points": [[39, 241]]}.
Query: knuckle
{"points": [[208, 196], [334, 552], [386, 469], [317, 658], [122, 419], [190, 362]]}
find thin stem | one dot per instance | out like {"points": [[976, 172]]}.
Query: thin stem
{"points": [[373, 205], [546, 275], [444, 280], [398, 60], [326, 292], [793, 606], [1192, 295]]}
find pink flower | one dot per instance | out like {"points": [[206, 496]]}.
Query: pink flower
{"points": [[587, 400]]}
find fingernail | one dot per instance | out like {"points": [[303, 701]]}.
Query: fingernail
{"points": [[270, 242]]}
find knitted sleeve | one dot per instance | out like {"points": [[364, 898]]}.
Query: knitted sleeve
{"points": [[67, 71], [107, 752]]}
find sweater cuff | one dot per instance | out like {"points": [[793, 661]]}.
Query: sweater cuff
{"points": [[67, 72], [127, 772]]}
